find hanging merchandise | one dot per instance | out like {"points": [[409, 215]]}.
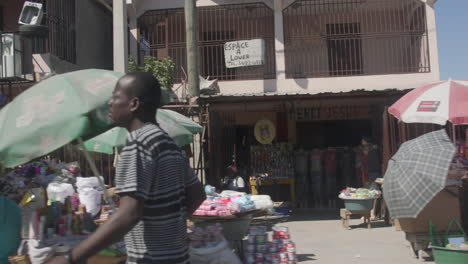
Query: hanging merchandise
{"points": [[316, 170], [330, 163], [302, 175], [265, 131], [275, 160]]}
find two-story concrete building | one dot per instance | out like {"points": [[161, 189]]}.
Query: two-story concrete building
{"points": [[327, 71], [73, 35]]}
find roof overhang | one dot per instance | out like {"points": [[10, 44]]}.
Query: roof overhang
{"points": [[293, 96]]}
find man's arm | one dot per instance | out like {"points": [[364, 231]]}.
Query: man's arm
{"points": [[120, 223], [195, 197]]}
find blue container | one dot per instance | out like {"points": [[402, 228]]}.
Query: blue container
{"points": [[359, 205]]}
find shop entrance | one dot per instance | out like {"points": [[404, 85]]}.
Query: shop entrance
{"points": [[327, 159]]}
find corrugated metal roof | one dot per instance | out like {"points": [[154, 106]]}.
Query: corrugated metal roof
{"points": [[363, 92]]}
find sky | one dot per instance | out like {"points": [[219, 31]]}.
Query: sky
{"points": [[452, 35]]}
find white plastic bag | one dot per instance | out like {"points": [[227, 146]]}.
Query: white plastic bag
{"points": [[92, 199], [219, 254], [59, 191], [90, 193], [88, 182]]}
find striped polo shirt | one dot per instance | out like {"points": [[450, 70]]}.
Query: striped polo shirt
{"points": [[151, 167]]}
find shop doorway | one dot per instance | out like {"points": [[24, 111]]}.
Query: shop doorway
{"points": [[327, 156]]}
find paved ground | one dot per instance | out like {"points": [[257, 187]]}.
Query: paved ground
{"points": [[320, 239]]}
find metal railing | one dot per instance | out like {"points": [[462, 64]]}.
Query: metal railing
{"points": [[163, 34], [60, 20], [325, 38], [59, 17]]}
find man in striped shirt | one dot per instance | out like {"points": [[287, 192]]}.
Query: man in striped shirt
{"points": [[157, 188]]}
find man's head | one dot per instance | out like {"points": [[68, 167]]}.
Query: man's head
{"points": [[136, 96]]}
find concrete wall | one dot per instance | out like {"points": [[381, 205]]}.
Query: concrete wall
{"points": [[11, 13], [315, 85], [93, 35]]}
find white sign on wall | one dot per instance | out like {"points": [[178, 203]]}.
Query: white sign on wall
{"points": [[244, 53]]}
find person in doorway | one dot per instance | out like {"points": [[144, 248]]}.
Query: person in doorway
{"points": [[369, 167], [369, 163], [157, 188], [233, 181]]}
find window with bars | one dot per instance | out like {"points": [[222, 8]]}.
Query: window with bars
{"points": [[162, 33], [328, 38], [344, 49], [61, 39]]}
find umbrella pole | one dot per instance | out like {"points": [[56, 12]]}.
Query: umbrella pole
{"points": [[95, 171], [454, 133]]}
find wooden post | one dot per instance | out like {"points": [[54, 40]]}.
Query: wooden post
{"points": [[191, 27]]}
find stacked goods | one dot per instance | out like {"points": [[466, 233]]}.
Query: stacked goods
{"points": [[359, 194], [228, 203], [280, 250]]}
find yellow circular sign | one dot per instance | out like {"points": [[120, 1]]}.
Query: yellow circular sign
{"points": [[265, 131]]}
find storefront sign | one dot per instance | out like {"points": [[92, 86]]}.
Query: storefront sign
{"points": [[265, 131], [244, 53], [341, 112]]}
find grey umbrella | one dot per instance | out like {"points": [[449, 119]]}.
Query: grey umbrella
{"points": [[416, 173]]}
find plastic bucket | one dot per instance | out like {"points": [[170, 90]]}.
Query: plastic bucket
{"points": [[449, 256], [359, 205]]}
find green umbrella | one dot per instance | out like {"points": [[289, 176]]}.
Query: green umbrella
{"points": [[55, 112], [178, 126]]}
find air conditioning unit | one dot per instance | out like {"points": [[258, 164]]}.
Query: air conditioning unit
{"points": [[11, 51], [31, 14]]}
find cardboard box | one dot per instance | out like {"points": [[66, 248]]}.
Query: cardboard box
{"points": [[441, 210]]}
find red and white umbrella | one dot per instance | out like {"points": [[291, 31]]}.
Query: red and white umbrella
{"points": [[435, 103]]}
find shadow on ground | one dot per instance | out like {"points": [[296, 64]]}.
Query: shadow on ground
{"points": [[305, 257], [374, 224]]}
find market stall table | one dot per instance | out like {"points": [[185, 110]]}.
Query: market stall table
{"points": [[346, 215]]}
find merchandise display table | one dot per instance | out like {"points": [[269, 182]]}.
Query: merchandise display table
{"points": [[272, 181], [346, 215]]}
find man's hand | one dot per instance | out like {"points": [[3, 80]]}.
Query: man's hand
{"points": [[58, 260]]}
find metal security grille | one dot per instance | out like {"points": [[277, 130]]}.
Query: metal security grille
{"points": [[61, 23], [162, 33], [325, 38]]}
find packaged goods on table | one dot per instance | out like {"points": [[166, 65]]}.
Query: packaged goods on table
{"points": [[229, 202], [53, 226]]}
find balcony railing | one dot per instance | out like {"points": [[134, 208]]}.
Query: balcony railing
{"points": [[163, 34], [325, 38]]}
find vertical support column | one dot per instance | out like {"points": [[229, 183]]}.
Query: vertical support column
{"points": [[432, 39], [133, 36], [120, 35], [191, 27], [279, 42]]}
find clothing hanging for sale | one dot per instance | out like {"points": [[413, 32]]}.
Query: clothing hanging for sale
{"points": [[330, 174], [315, 168]]}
